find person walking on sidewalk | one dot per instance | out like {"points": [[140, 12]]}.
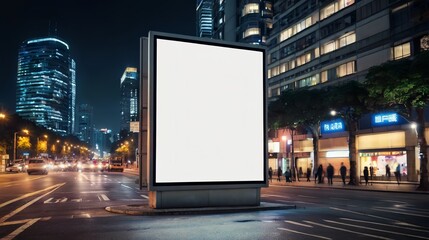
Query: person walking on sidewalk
{"points": [[398, 173], [319, 173], [330, 173], [288, 174], [308, 174], [366, 175], [343, 173], [279, 174], [270, 174], [388, 172], [371, 173]]}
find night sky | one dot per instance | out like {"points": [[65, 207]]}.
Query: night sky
{"points": [[103, 36]]}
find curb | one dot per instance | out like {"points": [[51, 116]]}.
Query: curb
{"points": [[145, 210]]}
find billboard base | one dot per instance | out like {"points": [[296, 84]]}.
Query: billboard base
{"points": [[205, 198]]}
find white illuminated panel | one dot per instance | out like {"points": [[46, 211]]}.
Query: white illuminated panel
{"points": [[209, 113]]}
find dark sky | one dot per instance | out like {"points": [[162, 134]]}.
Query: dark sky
{"points": [[103, 36]]}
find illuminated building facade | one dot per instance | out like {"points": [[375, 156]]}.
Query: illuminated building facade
{"points": [[85, 124], [204, 13], [130, 90], [46, 84]]}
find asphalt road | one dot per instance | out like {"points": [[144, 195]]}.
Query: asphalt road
{"points": [[70, 205]]}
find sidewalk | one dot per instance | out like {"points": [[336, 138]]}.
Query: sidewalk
{"points": [[379, 186]]}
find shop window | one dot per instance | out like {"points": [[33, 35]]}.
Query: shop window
{"points": [[402, 51]]}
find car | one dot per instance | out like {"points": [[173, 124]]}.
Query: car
{"points": [[116, 164], [16, 166], [37, 165], [87, 166]]}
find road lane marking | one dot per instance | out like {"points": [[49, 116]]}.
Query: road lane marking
{"points": [[346, 230], [382, 224], [19, 182], [21, 229], [390, 210], [358, 213], [11, 214], [126, 186], [342, 199], [307, 234], [104, 197], [84, 176], [76, 200], [14, 222], [145, 196], [299, 224], [94, 192], [26, 196], [375, 229], [306, 196], [393, 201], [271, 195], [48, 201]]}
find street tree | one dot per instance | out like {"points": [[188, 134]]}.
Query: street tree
{"points": [[404, 85], [350, 101], [301, 107]]}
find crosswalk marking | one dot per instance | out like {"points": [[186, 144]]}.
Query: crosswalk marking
{"points": [[382, 224], [391, 210], [307, 234], [374, 229], [346, 230], [104, 197], [144, 196], [299, 224]]}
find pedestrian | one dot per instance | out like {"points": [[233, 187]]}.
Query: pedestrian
{"points": [[366, 175], [279, 174], [270, 174], [398, 173], [371, 172], [343, 172], [330, 173], [300, 172], [388, 172], [288, 174], [319, 173], [308, 174]]}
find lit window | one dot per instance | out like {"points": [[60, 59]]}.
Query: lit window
{"points": [[334, 7], [250, 8], [328, 47], [316, 52], [289, 32], [324, 76], [402, 51], [346, 69], [251, 31]]}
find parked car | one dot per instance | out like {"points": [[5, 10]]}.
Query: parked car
{"points": [[16, 166], [37, 165]]}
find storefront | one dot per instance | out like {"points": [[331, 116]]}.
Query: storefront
{"points": [[380, 160]]}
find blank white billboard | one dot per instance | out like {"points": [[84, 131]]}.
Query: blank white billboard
{"points": [[208, 112]]}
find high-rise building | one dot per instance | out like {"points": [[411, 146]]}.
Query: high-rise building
{"points": [[204, 14], [85, 125], [130, 90], [103, 141], [247, 21], [318, 43], [46, 84]]}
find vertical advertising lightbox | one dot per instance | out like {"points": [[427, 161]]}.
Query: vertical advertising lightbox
{"points": [[207, 113]]}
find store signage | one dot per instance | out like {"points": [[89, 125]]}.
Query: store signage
{"points": [[336, 125], [383, 119]]}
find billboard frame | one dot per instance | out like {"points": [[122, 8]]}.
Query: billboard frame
{"points": [[151, 143]]}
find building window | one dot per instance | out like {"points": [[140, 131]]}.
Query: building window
{"points": [[402, 51], [324, 76], [309, 81], [334, 7], [346, 69], [289, 32], [340, 42], [250, 8], [251, 31]]}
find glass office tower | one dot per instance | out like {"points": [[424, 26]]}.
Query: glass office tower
{"points": [[46, 86], [130, 90]]}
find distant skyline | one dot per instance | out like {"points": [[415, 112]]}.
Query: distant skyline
{"points": [[103, 37]]}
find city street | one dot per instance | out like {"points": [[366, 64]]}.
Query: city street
{"points": [[70, 205]]}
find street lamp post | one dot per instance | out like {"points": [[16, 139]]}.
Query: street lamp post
{"points": [[14, 141]]}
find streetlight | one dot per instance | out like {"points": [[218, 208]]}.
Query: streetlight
{"points": [[14, 141], [2, 116]]}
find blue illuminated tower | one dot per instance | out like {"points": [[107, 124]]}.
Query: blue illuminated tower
{"points": [[46, 84], [130, 90]]}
